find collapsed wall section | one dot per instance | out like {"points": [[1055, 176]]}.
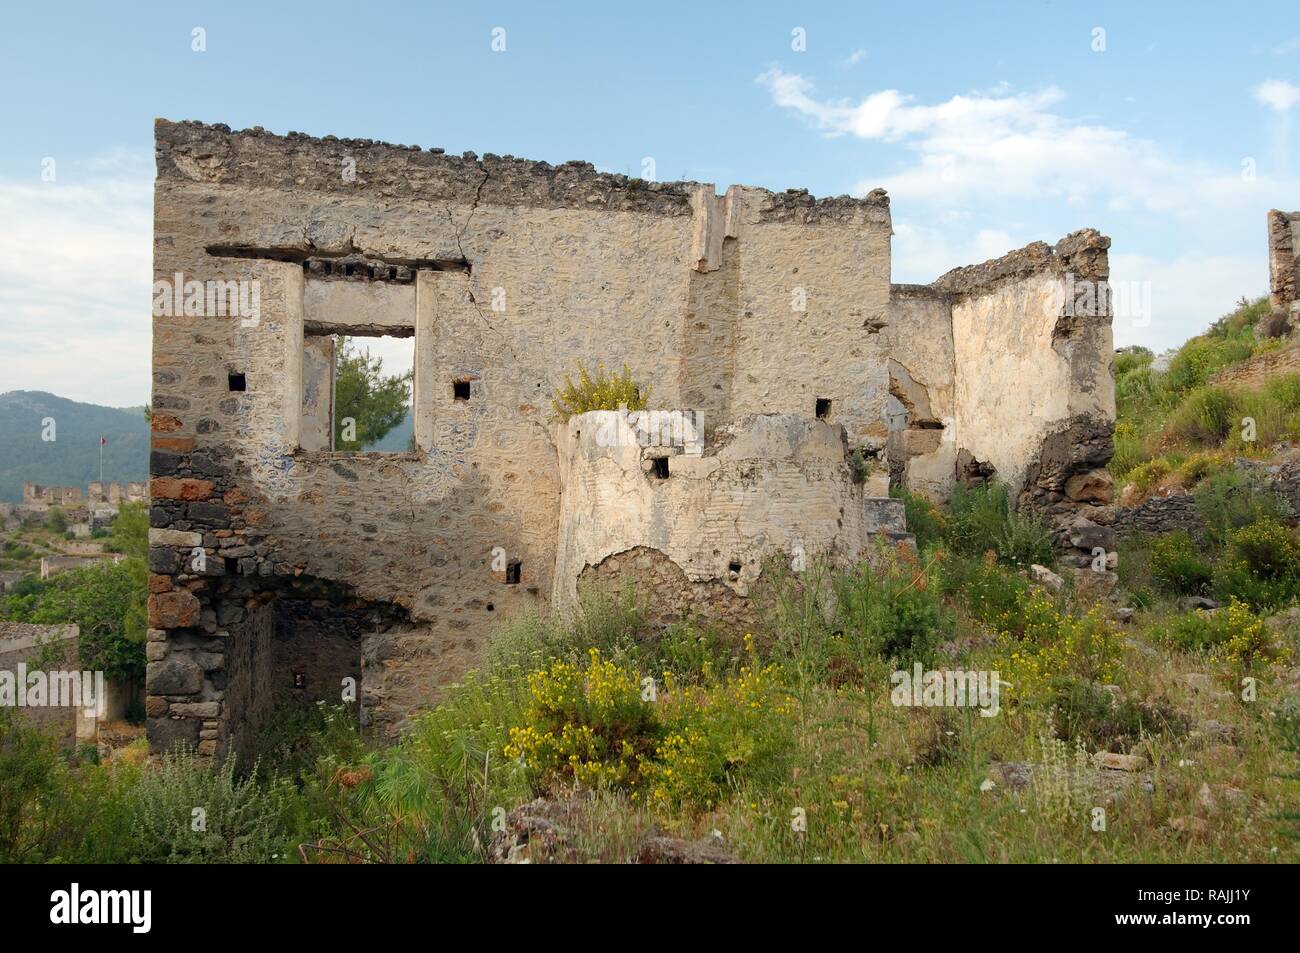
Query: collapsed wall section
{"points": [[1034, 399], [699, 527]]}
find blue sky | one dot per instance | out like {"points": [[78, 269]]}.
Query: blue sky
{"points": [[988, 130]]}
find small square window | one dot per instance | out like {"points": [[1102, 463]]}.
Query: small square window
{"points": [[237, 381], [823, 407], [513, 569], [460, 390], [661, 468]]}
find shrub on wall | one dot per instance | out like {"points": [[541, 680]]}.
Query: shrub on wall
{"points": [[599, 391]]}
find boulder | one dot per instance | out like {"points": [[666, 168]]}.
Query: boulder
{"points": [[1045, 577], [1087, 535], [1095, 486]]}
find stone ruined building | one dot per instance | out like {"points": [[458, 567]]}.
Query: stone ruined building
{"points": [[96, 492], [281, 565], [35, 493], [114, 492]]}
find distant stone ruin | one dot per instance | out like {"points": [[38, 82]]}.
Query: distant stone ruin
{"points": [[282, 565]]}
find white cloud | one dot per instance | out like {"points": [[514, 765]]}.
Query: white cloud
{"points": [[1277, 94], [1017, 145], [854, 58], [75, 276], [1013, 159], [1186, 294]]}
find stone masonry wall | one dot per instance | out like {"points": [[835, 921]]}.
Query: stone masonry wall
{"points": [[277, 562]]}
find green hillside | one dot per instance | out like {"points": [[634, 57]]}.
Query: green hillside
{"points": [[72, 458]]}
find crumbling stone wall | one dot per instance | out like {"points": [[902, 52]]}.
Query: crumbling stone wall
{"points": [[763, 486], [47, 649], [506, 273], [1284, 266], [1035, 397]]}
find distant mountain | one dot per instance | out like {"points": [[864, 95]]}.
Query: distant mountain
{"points": [[396, 440], [72, 458]]}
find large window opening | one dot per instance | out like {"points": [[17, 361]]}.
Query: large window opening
{"points": [[357, 392]]}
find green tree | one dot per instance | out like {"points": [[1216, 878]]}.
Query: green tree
{"points": [[129, 533], [108, 601], [374, 401], [56, 521]]}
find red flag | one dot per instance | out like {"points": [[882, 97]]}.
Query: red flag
{"points": [[102, 441]]}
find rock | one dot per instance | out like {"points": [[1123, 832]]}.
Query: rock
{"points": [[167, 733], [1110, 761], [673, 850], [1137, 645], [1216, 731], [1188, 825], [173, 676], [1206, 797], [173, 610], [174, 537], [179, 488], [1045, 577], [1201, 602], [197, 709], [534, 833], [1123, 614], [1106, 784], [1196, 681], [1095, 486], [1286, 621], [1087, 535], [1101, 515], [1094, 586]]}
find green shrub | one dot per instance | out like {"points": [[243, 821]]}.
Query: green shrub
{"points": [[889, 610], [1130, 450], [1239, 323], [1132, 359], [599, 391], [1147, 475], [1206, 416], [1229, 500], [612, 620], [924, 520], [1261, 567], [1177, 567], [981, 520], [1268, 548], [1203, 356], [737, 731], [190, 811], [1285, 389], [988, 592], [35, 820], [1196, 631], [1088, 713], [594, 726]]}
